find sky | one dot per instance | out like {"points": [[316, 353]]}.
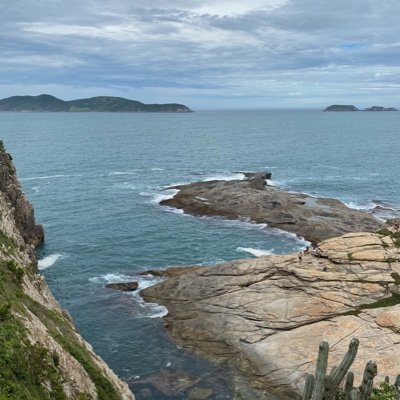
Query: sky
{"points": [[206, 54]]}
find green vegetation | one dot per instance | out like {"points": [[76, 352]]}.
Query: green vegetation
{"points": [[393, 300], [62, 331], [47, 103], [385, 391], [396, 278], [341, 107], [394, 235], [28, 371]]}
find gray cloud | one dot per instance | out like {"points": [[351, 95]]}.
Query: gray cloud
{"points": [[272, 53]]}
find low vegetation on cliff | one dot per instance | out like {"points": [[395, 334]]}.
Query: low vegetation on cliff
{"points": [[42, 356]]}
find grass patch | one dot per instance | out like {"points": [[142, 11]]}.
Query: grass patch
{"points": [[393, 300], [394, 235], [396, 278], [30, 371], [27, 371]]}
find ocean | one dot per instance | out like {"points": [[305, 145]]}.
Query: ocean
{"points": [[95, 180]]}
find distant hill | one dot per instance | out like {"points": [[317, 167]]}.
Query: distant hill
{"points": [[380, 108], [48, 103], [346, 107], [341, 107]]}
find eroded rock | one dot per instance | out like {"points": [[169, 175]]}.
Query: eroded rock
{"points": [[315, 219], [267, 316]]}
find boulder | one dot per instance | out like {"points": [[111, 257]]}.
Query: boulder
{"points": [[123, 286]]}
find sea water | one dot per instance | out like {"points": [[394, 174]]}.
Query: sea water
{"points": [[95, 180]]}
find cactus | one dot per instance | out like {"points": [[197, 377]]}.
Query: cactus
{"points": [[348, 385], [320, 371], [368, 379], [327, 387]]}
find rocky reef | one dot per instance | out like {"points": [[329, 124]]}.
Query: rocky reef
{"points": [[315, 219], [265, 317], [42, 356]]}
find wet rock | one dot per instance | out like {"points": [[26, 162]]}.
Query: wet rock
{"points": [[200, 394], [123, 286], [315, 219], [170, 272]]}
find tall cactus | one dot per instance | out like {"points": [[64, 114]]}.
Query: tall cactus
{"points": [[326, 387]]}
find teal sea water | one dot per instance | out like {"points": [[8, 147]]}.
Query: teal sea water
{"points": [[95, 180]]}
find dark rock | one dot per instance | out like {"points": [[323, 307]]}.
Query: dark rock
{"points": [[170, 272], [315, 219], [124, 286], [262, 175], [21, 208]]}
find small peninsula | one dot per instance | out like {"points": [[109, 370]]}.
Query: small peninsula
{"points": [[48, 103], [350, 107], [314, 219]]}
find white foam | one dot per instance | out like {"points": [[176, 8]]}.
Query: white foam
{"points": [[156, 198], [122, 173], [157, 169], [255, 252], [148, 310], [48, 261], [225, 177], [362, 207], [46, 177], [126, 185], [275, 183], [111, 278]]}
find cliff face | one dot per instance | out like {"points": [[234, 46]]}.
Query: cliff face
{"points": [[267, 316], [42, 356]]}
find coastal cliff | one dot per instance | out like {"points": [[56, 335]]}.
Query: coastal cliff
{"points": [[265, 317], [42, 356]]}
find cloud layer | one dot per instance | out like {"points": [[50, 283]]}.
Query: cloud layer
{"points": [[207, 54]]}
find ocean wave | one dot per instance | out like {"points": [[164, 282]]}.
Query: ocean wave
{"points": [[224, 176], [147, 310], [255, 252], [157, 197], [112, 173], [33, 178], [125, 185], [48, 261]]}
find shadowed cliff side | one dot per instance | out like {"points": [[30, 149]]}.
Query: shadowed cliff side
{"points": [[42, 356]]}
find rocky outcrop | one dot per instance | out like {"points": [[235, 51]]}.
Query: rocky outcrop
{"points": [[21, 210], [315, 219], [267, 316], [123, 286], [42, 355]]}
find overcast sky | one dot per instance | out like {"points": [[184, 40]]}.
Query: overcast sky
{"points": [[206, 54]]}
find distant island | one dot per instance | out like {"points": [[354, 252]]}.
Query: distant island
{"points": [[350, 107], [48, 103]]}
